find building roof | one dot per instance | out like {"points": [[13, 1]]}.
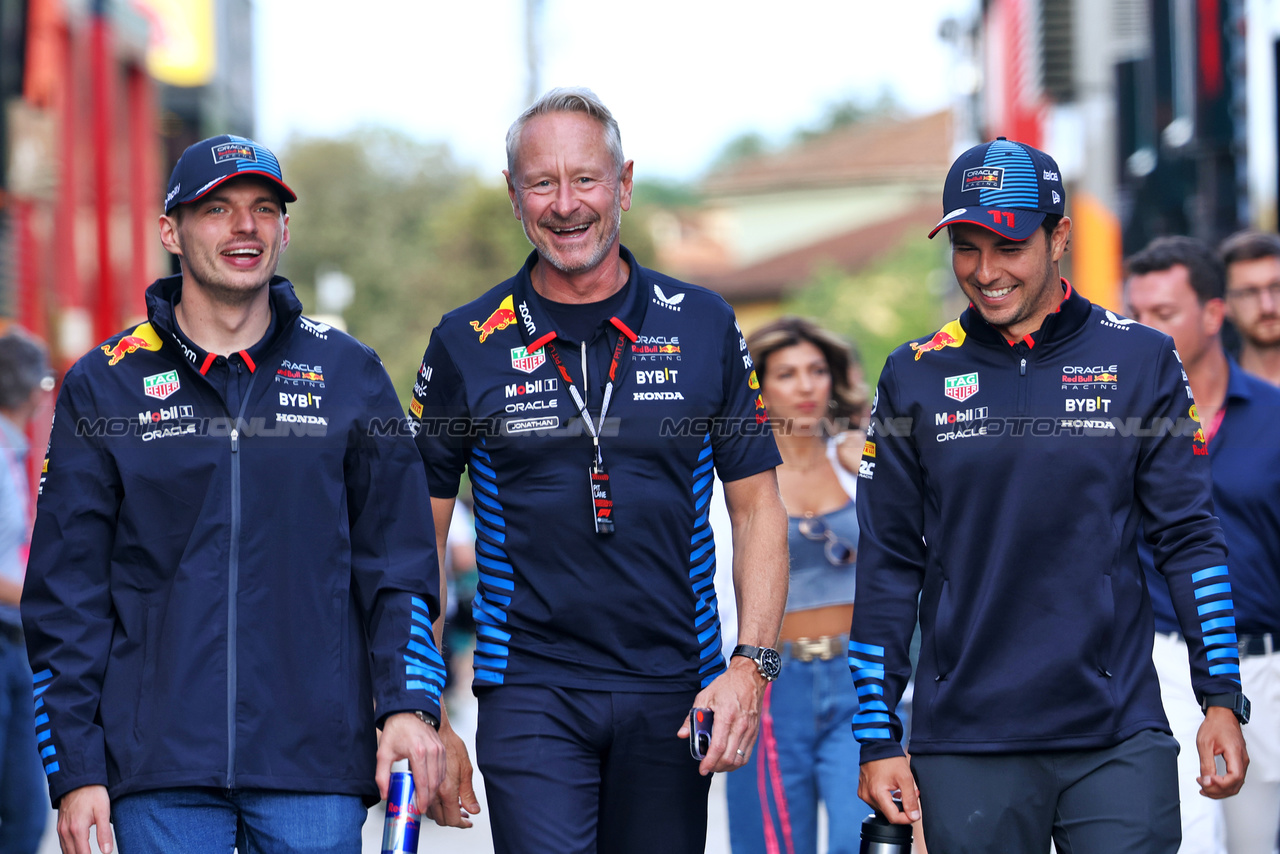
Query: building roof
{"points": [[872, 151], [853, 250]]}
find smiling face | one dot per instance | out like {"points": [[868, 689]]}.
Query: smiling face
{"points": [[567, 191], [229, 240], [1013, 284], [796, 385]]}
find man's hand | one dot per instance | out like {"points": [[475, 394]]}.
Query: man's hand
{"points": [[455, 801], [879, 780], [79, 810], [404, 736], [1220, 735], [734, 696]]}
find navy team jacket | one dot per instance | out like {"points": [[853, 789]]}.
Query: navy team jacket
{"points": [[221, 587], [1003, 485]]}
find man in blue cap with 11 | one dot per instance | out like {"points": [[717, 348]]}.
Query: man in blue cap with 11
{"points": [[1011, 460], [230, 582]]}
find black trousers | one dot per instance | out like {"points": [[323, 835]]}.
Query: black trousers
{"points": [[580, 772], [1120, 800]]}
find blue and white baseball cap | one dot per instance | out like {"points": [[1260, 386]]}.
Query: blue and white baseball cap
{"points": [[212, 161], [1005, 186]]}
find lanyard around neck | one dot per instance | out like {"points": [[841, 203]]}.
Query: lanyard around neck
{"points": [[578, 397]]}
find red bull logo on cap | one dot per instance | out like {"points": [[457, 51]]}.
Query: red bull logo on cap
{"points": [[503, 316], [951, 335], [983, 178], [141, 338], [234, 151]]}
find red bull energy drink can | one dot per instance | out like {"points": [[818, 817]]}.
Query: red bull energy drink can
{"points": [[400, 830]]}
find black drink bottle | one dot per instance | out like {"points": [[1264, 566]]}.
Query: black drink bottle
{"points": [[881, 837]]}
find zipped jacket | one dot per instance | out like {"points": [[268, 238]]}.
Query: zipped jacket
{"points": [[228, 580], [1002, 486]]}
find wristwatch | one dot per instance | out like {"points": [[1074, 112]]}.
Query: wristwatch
{"points": [[767, 660], [427, 719], [1237, 702]]}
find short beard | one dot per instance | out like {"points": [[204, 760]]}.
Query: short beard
{"points": [[596, 257]]}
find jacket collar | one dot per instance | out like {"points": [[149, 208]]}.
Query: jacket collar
{"points": [[536, 326], [164, 293], [1069, 316]]}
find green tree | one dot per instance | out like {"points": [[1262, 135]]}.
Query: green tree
{"points": [[851, 111], [902, 296], [744, 146], [418, 235]]}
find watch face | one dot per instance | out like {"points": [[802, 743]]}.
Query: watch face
{"points": [[770, 663]]}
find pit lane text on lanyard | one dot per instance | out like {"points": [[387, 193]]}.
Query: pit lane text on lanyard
{"points": [[598, 475]]}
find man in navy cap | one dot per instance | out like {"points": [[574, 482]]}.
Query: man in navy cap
{"points": [[227, 565], [1010, 460]]}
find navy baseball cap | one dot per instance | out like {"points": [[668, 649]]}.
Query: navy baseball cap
{"points": [[212, 161], [1002, 185]]}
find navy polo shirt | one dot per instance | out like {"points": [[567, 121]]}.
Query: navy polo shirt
{"points": [[1244, 459], [557, 603]]}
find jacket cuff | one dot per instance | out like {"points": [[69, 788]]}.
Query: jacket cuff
{"points": [[871, 751]]}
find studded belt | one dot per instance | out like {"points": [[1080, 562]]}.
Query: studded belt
{"points": [[823, 649]]}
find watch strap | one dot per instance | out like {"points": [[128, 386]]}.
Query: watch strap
{"points": [[1236, 701]]}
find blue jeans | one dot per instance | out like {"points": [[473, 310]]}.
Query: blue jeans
{"points": [[254, 821], [24, 801], [805, 753]]}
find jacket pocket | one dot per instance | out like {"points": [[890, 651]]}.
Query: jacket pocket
{"points": [[944, 641], [341, 604], [1107, 628], [147, 677]]}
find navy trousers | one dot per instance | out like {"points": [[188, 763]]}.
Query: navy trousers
{"points": [[581, 772], [1119, 800]]}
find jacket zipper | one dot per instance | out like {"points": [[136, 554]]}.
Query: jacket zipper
{"points": [[1022, 386], [233, 583]]}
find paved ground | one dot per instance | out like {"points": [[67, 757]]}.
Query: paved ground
{"points": [[462, 712]]}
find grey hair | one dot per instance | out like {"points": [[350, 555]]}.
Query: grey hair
{"points": [[24, 366], [570, 99]]}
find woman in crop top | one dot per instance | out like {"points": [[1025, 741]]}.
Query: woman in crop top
{"points": [[806, 751]]}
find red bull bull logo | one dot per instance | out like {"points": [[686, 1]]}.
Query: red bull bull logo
{"points": [[951, 335], [234, 151], [503, 316], [141, 338]]}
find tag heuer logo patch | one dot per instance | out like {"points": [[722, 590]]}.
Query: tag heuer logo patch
{"points": [[961, 387], [522, 360], [161, 386]]}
